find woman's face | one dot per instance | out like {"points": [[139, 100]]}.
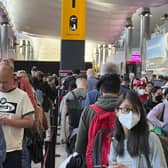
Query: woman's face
{"points": [[141, 90], [127, 115], [158, 92], [125, 107], [158, 95]]}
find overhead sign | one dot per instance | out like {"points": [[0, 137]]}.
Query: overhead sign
{"points": [[136, 57], [156, 47], [73, 18]]}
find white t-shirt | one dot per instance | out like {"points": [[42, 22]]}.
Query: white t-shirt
{"points": [[14, 104]]}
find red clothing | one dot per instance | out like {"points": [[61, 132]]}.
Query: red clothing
{"points": [[143, 98]]}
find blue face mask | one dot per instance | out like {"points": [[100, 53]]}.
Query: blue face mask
{"points": [[129, 119]]}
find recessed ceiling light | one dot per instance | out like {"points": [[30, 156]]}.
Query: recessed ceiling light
{"points": [[164, 17]]}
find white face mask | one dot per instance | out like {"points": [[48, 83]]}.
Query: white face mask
{"points": [[129, 120], [141, 91]]}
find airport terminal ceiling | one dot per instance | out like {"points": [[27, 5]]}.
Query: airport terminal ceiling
{"points": [[105, 18]]}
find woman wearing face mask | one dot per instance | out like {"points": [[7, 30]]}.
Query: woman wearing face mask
{"points": [[154, 98], [139, 86], [158, 116], [133, 145]]}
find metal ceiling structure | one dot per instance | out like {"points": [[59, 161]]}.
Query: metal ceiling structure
{"points": [[105, 18]]}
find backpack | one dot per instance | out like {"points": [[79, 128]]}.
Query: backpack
{"points": [[70, 141], [74, 108], [75, 160], [99, 137]]}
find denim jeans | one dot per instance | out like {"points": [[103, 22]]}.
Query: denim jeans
{"points": [[26, 157]]}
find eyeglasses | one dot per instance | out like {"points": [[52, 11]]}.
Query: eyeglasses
{"points": [[124, 109]]}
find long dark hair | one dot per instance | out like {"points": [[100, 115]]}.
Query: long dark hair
{"points": [[137, 136]]}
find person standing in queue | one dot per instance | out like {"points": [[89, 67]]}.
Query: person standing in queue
{"points": [[16, 114], [133, 146]]}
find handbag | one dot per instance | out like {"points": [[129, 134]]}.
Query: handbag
{"points": [[35, 147]]}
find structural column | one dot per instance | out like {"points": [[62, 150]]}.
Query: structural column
{"points": [[27, 50], [4, 37], [97, 56], [104, 53], [73, 34], [128, 40], [22, 48], [144, 34], [100, 55]]}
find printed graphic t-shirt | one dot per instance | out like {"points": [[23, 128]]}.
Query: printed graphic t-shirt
{"points": [[14, 104]]}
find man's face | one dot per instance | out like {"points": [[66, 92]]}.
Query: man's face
{"points": [[149, 87], [6, 78]]}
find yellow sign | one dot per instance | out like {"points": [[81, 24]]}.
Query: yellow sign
{"points": [[97, 68], [73, 18]]}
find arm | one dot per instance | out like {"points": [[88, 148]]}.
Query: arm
{"points": [[82, 137], [118, 165], [154, 115], [25, 122], [63, 120], [65, 116]]}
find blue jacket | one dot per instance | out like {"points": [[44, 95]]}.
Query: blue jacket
{"points": [[2, 147], [92, 82], [92, 96]]}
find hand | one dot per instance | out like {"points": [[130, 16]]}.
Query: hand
{"points": [[118, 165], [4, 120]]}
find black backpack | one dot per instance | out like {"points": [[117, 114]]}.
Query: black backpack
{"points": [[75, 107]]}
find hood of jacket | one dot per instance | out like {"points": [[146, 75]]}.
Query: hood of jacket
{"points": [[108, 103]]}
